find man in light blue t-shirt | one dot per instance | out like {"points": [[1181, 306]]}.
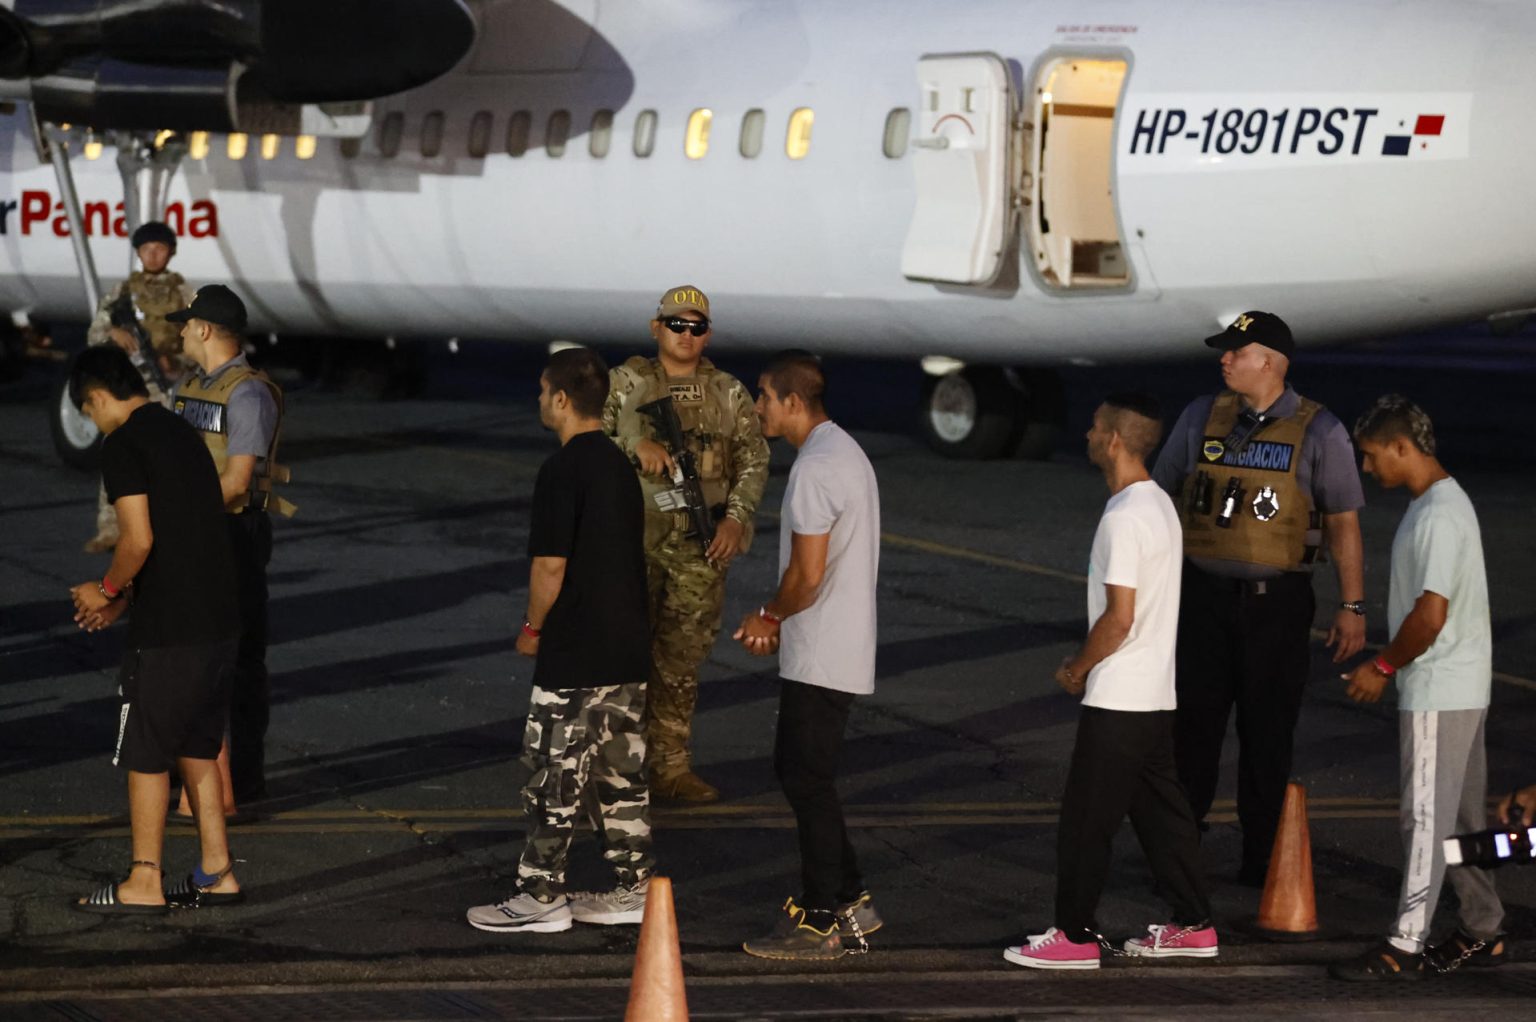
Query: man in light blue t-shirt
{"points": [[1441, 656]]}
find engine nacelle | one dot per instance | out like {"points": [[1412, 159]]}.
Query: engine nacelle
{"points": [[193, 64]]}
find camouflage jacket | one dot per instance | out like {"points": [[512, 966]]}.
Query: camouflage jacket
{"points": [[155, 296], [719, 422]]}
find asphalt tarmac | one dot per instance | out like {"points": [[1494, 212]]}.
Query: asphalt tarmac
{"points": [[398, 703]]}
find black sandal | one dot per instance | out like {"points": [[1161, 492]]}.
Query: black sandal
{"points": [[104, 900], [1383, 962], [189, 893]]}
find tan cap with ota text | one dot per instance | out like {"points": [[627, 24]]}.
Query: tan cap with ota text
{"points": [[683, 298]]}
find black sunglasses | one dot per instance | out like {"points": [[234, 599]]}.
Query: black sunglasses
{"points": [[677, 324]]}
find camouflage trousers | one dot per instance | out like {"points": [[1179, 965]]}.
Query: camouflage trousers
{"points": [[686, 594], [106, 514], [585, 747]]}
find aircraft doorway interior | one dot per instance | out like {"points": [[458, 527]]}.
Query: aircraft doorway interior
{"points": [[1073, 231]]}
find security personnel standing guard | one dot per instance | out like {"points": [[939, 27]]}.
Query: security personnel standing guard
{"points": [[157, 292], [686, 583], [1262, 477], [239, 411]]}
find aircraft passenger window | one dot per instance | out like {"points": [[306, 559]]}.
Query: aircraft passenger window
{"points": [[898, 131], [797, 141], [197, 145], [645, 133], [432, 134], [93, 150], [752, 133], [600, 136], [696, 141], [235, 147], [557, 133], [269, 144], [350, 147], [480, 135], [518, 127], [304, 147], [390, 131]]}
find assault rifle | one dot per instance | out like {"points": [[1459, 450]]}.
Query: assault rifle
{"points": [[689, 494], [125, 316]]}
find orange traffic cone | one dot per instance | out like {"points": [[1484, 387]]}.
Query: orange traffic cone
{"points": [[1288, 910], [656, 986]]}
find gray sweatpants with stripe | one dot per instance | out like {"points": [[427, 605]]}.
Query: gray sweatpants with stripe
{"points": [[1445, 792]]}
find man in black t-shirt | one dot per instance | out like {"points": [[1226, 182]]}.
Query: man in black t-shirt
{"points": [[588, 631], [173, 566]]}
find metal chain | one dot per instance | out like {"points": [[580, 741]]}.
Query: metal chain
{"points": [[1467, 951]]}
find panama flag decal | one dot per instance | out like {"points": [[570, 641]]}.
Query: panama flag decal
{"points": [[1424, 127]]}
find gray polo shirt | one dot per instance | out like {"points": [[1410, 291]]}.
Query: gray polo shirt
{"points": [[252, 415], [1327, 470]]}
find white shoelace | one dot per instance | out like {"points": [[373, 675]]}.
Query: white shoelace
{"points": [[1048, 937]]}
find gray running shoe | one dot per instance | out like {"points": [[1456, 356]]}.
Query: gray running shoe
{"points": [[858, 917], [793, 939], [621, 906], [522, 913]]}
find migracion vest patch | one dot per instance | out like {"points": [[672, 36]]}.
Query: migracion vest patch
{"points": [[207, 416], [1261, 454]]}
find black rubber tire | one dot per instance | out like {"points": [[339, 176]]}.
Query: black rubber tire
{"points": [[993, 428], [87, 458]]}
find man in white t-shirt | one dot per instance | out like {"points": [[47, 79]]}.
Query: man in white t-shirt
{"points": [[1441, 656], [822, 622], [1123, 761]]}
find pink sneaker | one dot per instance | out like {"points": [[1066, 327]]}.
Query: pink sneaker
{"points": [[1052, 950], [1170, 941]]}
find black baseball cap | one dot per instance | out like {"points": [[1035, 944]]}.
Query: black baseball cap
{"points": [[216, 304], [1255, 327]]}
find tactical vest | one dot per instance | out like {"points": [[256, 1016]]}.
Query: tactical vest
{"points": [[1272, 522], [703, 404], [157, 296], [205, 404]]}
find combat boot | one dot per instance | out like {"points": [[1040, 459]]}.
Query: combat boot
{"points": [[682, 786]]}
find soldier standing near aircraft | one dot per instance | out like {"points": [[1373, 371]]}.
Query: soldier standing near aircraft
{"points": [[686, 573], [1261, 478], [155, 292]]}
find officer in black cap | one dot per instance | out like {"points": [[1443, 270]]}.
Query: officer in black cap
{"points": [[156, 291], [239, 411], [1264, 481]]}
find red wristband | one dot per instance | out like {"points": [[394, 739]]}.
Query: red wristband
{"points": [[1383, 668], [769, 616], [530, 631], [111, 590]]}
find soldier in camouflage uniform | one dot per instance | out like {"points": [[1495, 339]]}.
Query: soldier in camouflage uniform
{"points": [[687, 586], [157, 292], [588, 630]]}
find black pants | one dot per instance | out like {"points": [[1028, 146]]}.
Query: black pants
{"points": [[250, 534], [1239, 646], [806, 749], [1122, 764]]}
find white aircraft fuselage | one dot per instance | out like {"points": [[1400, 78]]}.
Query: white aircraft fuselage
{"points": [[1359, 168]]}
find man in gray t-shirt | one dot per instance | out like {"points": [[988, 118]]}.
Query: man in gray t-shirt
{"points": [[1441, 657], [1262, 479], [824, 616]]}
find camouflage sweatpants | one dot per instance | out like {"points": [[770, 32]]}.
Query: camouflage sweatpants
{"points": [[687, 595], [576, 736], [106, 514]]}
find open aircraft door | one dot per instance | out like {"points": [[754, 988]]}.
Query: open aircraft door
{"points": [[961, 226]]}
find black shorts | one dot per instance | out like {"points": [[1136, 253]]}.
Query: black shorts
{"points": [[175, 702]]}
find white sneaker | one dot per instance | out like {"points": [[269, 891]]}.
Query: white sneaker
{"points": [[522, 913], [618, 907]]}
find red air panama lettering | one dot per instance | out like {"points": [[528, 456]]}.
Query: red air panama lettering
{"points": [[38, 212]]}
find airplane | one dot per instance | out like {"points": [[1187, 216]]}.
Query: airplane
{"points": [[996, 188]]}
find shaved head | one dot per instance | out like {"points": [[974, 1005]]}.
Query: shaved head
{"points": [[1138, 419]]}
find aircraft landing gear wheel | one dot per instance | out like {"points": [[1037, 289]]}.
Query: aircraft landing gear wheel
{"points": [[75, 437], [971, 413]]}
